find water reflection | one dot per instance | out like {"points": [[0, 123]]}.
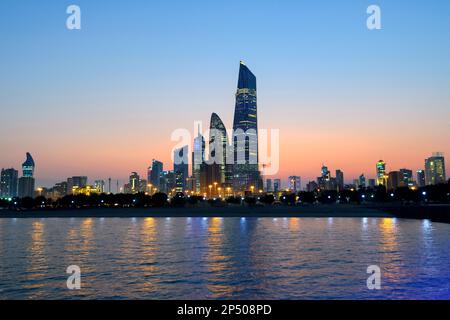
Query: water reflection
{"points": [[251, 258], [37, 267], [217, 262]]}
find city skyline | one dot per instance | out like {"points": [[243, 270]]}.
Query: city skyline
{"points": [[327, 109]]}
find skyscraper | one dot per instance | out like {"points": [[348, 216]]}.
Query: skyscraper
{"points": [[276, 185], [340, 179], [134, 183], [155, 174], [26, 182], [406, 177], [381, 173], [421, 178], [294, 183], [362, 181], [395, 179], [245, 133], [218, 151], [181, 168], [435, 169], [269, 185], [8, 183], [198, 158]]}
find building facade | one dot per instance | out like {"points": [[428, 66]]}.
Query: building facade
{"points": [[245, 133], [9, 183], [435, 169]]}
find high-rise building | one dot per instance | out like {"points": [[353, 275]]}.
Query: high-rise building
{"points": [[155, 174], [277, 185], [381, 173], [269, 185], [28, 166], [198, 158], [134, 183], [340, 179], [420, 178], [325, 181], [8, 183], [219, 151], [435, 169], [395, 179], [406, 177], [99, 185], [372, 183], [167, 182], [245, 133], [294, 183], [27, 182], [362, 181], [181, 168]]}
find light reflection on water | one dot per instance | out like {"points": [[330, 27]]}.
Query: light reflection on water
{"points": [[224, 258]]}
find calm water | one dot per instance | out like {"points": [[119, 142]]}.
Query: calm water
{"points": [[224, 258]]}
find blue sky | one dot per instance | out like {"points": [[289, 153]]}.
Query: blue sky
{"points": [[139, 69]]}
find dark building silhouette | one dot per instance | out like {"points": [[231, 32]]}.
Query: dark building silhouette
{"points": [[420, 178], [8, 183], [198, 159], [340, 179], [181, 168], [155, 174]]}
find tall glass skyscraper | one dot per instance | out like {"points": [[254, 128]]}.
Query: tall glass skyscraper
{"points": [[26, 182], [198, 158], [435, 169], [218, 151], [245, 133], [8, 183]]}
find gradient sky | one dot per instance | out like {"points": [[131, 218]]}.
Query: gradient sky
{"points": [[104, 100]]}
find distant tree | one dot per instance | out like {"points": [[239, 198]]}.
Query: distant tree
{"points": [[27, 203], [267, 199], [178, 200], [307, 197], [234, 200], [250, 201], [159, 199]]}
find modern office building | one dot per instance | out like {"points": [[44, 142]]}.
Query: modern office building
{"points": [[9, 183], [381, 173], [198, 158], [421, 178], [218, 151], [134, 183], [27, 182], [362, 181], [294, 183], [340, 179], [435, 169], [395, 180], [181, 168], [269, 186], [155, 174], [277, 185], [99, 185], [245, 133], [406, 177]]}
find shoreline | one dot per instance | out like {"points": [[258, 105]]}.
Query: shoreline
{"points": [[437, 213]]}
